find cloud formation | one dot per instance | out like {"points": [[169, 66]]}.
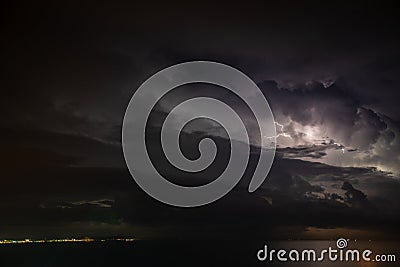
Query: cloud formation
{"points": [[316, 115]]}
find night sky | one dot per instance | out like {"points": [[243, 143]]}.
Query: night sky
{"points": [[330, 72]]}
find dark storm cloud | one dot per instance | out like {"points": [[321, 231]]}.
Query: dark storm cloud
{"points": [[64, 62], [312, 121], [102, 203], [313, 151], [355, 197], [304, 190], [336, 116], [69, 71], [29, 148], [313, 104], [343, 184]]}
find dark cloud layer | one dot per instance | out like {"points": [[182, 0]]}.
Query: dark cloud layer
{"points": [[311, 194]]}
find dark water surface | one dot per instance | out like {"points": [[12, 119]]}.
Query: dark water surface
{"points": [[173, 253]]}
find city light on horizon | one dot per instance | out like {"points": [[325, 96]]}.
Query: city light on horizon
{"points": [[64, 240]]}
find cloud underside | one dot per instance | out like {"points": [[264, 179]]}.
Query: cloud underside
{"points": [[298, 194], [328, 174]]}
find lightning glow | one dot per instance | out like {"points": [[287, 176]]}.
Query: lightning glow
{"points": [[282, 133]]}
